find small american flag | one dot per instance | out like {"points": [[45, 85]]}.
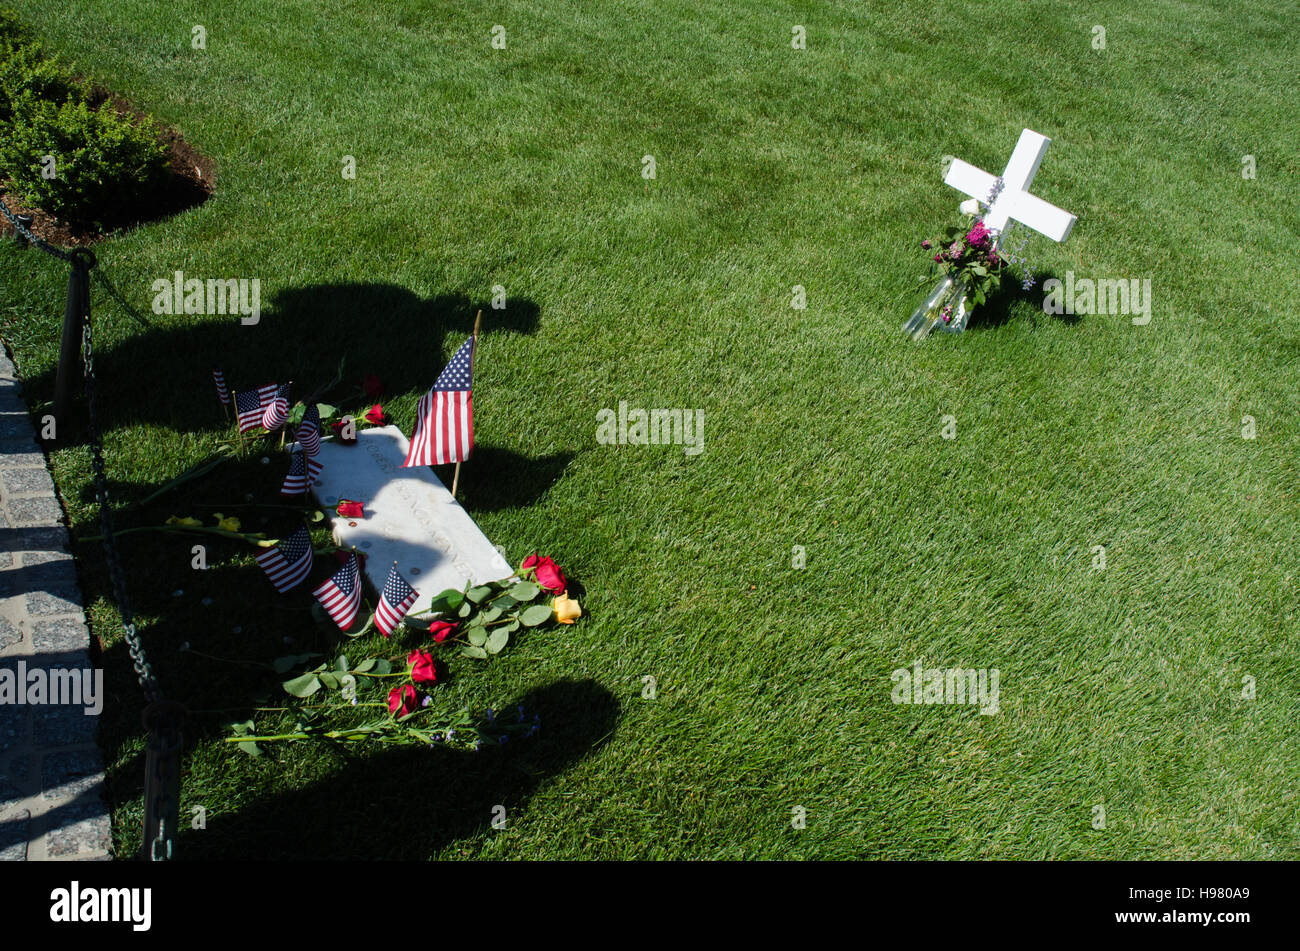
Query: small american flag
{"points": [[219, 378], [250, 405], [395, 600], [303, 471], [277, 411], [308, 434], [444, 426], [289, 563], [340, 594]]}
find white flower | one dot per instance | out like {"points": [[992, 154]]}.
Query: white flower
{"points": [[971, 206]]}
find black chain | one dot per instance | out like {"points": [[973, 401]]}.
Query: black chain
{"points": [[163, 719], [40, 243], [143, 671]]}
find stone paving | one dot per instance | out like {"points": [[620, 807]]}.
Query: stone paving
{"points": [[51, 770]]}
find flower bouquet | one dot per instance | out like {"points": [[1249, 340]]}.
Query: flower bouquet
{"points": [[379, 699], [968, 255]]}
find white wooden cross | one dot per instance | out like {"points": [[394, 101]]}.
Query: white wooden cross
{"points": [[1014, 203]]}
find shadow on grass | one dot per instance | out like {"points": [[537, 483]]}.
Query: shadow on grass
{"points": [[162, 375], [1000, 306], [492, 479], [411, 802]]}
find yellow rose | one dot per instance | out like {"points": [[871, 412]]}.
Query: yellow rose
{"points": [[227, 524], [185, 522], [567, 610]]}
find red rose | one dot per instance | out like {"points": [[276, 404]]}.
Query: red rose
{"points": [[338, 432], [375, 415], [402, 700], [441, 630], [422, 668], [350, 509], [548, 573], [372, 386]]}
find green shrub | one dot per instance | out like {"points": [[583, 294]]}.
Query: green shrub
{"points": [[103, 161], [27, 70], [12, 31]]}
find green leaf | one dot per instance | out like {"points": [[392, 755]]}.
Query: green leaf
{"points": [[477, 653], [492, 614], [478, 636], [512, 626], [249, 747], [465, 610], [525, 591], [475, 595], [445, 602], [497, 642], [282, 665], [382, 666], [321, 616], [318, 516], [329, 680], [365, 665], [303, 686], [535, 615], [341, 665], [326, 410]]}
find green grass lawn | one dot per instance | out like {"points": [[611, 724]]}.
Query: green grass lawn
{"points": [[775, 167]]}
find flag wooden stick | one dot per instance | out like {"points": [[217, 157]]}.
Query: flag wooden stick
{"points": [[478, 319]]}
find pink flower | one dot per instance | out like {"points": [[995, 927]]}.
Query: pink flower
{"points": [[978, 236]]}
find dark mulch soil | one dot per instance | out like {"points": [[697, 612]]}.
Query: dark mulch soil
{"points": [[188, 181]]}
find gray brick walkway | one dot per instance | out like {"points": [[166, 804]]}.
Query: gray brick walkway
{"points": [[51, 770]]}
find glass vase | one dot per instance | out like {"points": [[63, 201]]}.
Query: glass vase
{"points": [[948, 297]]}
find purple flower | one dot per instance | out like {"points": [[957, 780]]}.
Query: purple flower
{"points": [[926, 244], [938, 257], [978, 236]]}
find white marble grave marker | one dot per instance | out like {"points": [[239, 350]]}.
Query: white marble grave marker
{"points": [[410, 517], [1013, 202]]}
